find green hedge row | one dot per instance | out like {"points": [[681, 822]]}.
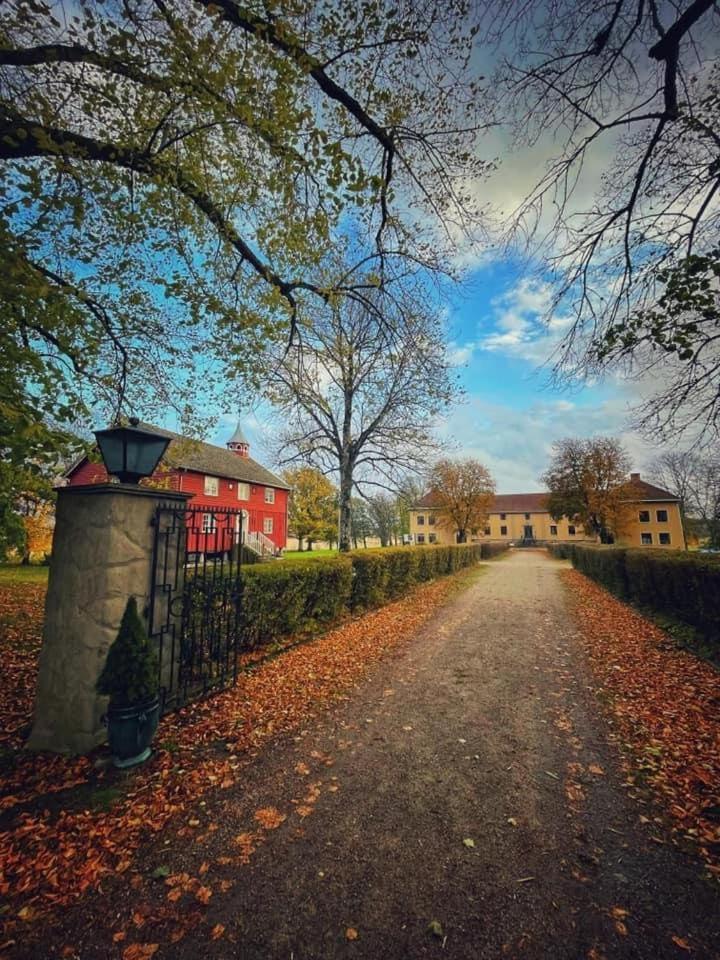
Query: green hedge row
{"points": [[293, 596], [683, 586]]}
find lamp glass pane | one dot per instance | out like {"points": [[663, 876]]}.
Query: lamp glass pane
{"points": [[111, 447], [144, 453]]}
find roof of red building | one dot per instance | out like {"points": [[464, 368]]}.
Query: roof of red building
{"points": [[189, 454]]}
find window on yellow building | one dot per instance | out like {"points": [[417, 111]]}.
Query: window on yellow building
{"points": [[662, 516], [527, 516], [646, 539], [503, 530], [431, 520], [553, 530], [644, 516], [487, 531], [421, 538], [665, 539], [433, 538], [421, 520], [503, 516], [571, 530]]}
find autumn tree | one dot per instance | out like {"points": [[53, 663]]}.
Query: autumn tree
{"points": [[587, 481], [624, 99], [312, 512], [175, 172], [463, 491], [357, 395], [694, 478]]}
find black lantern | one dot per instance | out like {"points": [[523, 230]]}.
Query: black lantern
{"points": [[131, 453]]}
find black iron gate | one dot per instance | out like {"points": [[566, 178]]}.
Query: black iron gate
{"points": [[195, 605]]}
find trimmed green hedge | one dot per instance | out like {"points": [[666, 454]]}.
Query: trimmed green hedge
{"points": [[387, 572], [294, 596], [683, 586]]}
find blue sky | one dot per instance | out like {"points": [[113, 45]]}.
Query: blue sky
{"points": [[510, 414]]}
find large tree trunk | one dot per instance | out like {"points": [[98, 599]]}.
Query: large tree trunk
{"points": [[346, 477]]}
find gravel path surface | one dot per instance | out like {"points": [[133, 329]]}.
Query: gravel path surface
{"points": [[469, 783]]}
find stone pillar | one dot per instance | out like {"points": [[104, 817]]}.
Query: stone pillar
{"points": [[102, 555]]}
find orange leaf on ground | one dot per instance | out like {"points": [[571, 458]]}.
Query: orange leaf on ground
{"points": [[203, 894], [663, 702], [351, 933], [217, 931], [140, 951], [269, 817], [681, 942]]}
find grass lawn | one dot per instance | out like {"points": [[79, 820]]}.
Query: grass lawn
{"points": [[309, 554], [16, 573]]}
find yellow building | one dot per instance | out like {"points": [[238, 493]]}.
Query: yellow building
{"points": [[654, 521]]}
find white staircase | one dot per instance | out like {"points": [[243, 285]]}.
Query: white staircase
{"points": [[260, 545]]}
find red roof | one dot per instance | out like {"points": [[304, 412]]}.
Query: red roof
{"points": [[502, 503], [536, 502], [519, 503], [648, 491]]}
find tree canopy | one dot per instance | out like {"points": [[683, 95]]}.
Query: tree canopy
{"points": [[463, 492], [625, 96], [312, 511], [358, 394], [587, 481], [175, 173]]}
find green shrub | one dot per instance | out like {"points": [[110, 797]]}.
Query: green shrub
{"points": [[490, 550], [369, 578], [683, 586], [384, 573], [604, 564], [561, 551], [292, 596], [287, 597], [130, 674]]}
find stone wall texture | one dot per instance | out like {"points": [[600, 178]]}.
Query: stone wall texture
{"points": [[102, 555]]}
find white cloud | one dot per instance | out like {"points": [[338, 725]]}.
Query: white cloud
{"points": [[516, 444]]}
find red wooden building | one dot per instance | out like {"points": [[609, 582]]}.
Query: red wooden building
{"points": [[218, 478]]}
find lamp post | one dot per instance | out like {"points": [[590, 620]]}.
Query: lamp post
{"points": [[131, 453]]}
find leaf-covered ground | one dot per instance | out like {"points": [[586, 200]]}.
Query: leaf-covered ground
{"points": [[21, 615], [665, 707], [66, 824]]}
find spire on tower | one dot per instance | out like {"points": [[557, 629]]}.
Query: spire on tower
{"points": [[239, 443]]}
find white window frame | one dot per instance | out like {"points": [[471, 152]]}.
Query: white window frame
{"points": [[667, 541], [432, 538], [646, 542], [267, 525], [243, 487], [269, 495], [421, 538], [211, 486], [209, 523]]}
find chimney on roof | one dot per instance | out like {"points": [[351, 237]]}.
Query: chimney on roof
{"points": [[238, 442], [634, 476]]}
